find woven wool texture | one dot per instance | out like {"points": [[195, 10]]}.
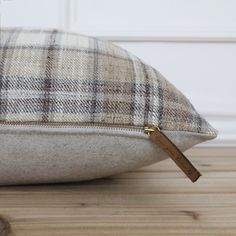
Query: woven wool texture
{"points": [[51, 76]]}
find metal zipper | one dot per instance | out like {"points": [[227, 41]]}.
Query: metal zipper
{"points": [[72, 125], [154, 133]]}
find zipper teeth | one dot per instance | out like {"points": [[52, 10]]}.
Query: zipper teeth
{"points": [[73, 125]]}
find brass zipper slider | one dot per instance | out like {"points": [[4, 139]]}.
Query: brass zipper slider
{"points": [[159, 138]]}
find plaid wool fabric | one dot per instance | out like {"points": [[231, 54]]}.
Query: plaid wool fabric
{"points": [[51, 76]]}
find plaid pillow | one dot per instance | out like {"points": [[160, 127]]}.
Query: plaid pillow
{"points": [[52, 77]]}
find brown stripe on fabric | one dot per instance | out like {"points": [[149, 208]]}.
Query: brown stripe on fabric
{"points": [[95, 81], [173, 112], [132, 89], [2, 63], [68, 106], [4, 79], [73, 86], [68, 48], [160, 100], [47, 86], [147, 95]]}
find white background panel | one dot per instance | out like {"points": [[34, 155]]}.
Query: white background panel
{"points": [[192, 43]]}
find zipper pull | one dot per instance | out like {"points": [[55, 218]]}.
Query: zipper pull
{"points": [[159, 138]]}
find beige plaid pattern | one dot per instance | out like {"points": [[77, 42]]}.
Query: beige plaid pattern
{"points": [[51, 76]]}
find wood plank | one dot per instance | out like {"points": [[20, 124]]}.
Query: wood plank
{"points": [[203, 163], [156, 200]]}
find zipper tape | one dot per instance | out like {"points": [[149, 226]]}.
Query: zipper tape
{"points": [[159, 138]]}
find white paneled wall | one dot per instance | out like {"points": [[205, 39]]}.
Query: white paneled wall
{"points": [[32, 13], [192, 43]]}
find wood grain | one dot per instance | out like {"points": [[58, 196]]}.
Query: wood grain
{"points": [[155, 200]]}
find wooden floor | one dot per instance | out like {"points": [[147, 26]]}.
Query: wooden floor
{"points": [[156, 200]]}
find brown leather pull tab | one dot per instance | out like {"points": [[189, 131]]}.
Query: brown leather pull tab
{"points": [[158, 137]]}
